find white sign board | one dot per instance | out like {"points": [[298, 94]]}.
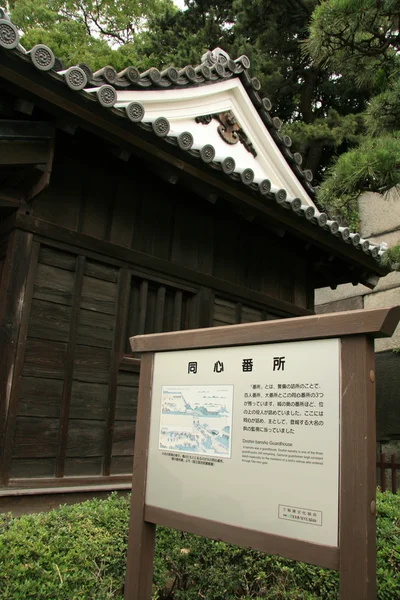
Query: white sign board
{"points": [[249, 436]]}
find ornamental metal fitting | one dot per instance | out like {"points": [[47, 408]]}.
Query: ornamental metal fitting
{"points": [[229, 129]]}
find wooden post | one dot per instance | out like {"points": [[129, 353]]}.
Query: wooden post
{"points": [[15, 298], [394, 474], [139, 568], [357, 526], [383, 472]]}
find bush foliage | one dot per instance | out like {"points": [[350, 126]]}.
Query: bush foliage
{"points": [[79, 552]]}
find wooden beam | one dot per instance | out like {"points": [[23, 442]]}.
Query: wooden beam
{"points": [[44, 175], [380, 322], [17, 291], [83, 482], [324, 556], [24, 152]]}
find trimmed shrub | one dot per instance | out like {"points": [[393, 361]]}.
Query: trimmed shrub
{"points": [[79, 552]]}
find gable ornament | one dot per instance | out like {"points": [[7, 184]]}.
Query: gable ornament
{"points": [[229, 129]]}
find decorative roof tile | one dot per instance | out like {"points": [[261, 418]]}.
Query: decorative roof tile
{"points": [[216, 65]]}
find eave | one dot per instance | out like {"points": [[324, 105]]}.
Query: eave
{"points": [[50, 93]]}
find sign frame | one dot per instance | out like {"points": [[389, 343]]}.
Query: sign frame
{"points": [[355, 556]]}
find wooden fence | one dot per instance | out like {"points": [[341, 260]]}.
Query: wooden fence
{"points": [[392, 466]]}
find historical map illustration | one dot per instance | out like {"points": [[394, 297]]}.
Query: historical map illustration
{"points": [[197, 419]]}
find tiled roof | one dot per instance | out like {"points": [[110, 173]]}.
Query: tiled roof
{"points": [[103, 85]]}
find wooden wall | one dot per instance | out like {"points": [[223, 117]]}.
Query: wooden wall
{"points": [[115, 251], [129, 205]]}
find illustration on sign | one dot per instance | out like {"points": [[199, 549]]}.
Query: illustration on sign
{"points": [[197, 419]]}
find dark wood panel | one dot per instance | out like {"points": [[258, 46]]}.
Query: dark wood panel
{"points": [[69, 366], [129, 258], [88, 400], [230, 251], [102, 271], [49, 321], [40, 397], [91, 364], [287, 279], [77, 467], [123, 439], [85, 438], [33, 467], [94, 329], [44, 358], [54, 285], [57, 258], [123, 216], [160, 307], [124, 283], [60, 202], [301, 283], [126, 405], [95, 208], [121, 464], [268, 272], [2, 260], [128, 378], [98, 295], [225, 312], [151, 308], [35, 437], [192, 245], [152, 222], [250, 315]]}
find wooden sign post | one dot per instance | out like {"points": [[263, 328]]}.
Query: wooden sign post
{"points": [[261, 435]]}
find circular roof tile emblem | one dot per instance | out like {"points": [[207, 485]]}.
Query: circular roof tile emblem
{"points": [[42, 57], [185, 140], [135, 111], [107, 96], [161, 126], [75, 78], [9, 37]]}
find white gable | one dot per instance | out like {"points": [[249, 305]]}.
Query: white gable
{"points": [[182, 106]]}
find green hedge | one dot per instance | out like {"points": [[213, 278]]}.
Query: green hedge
{"points": [[78, 552]]}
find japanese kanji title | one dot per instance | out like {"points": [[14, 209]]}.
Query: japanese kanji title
{"points": [[278, 364]]}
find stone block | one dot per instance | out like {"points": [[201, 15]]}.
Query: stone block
{"points": [[379, 213]]}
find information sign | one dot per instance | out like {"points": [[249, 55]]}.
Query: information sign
{"points": [[261, 435], [249, 436]]}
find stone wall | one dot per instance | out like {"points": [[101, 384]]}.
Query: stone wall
{"points": [[380, 222]]}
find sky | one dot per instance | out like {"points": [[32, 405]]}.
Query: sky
{"points": [[179, 3]]}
